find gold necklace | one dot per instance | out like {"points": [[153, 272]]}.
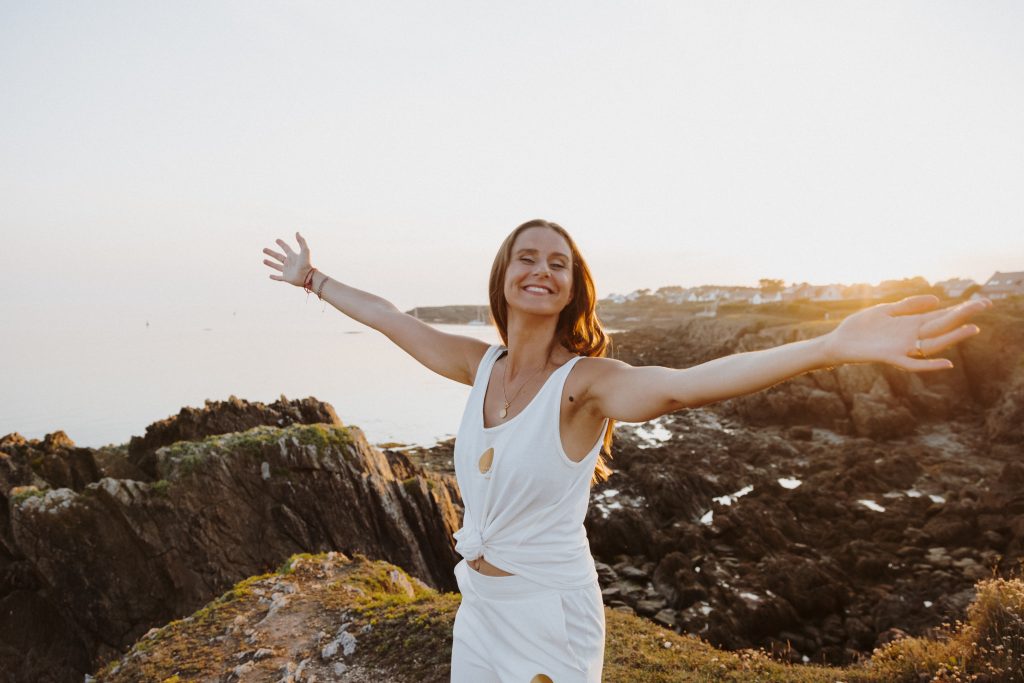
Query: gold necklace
{"points": [[504, 411]]}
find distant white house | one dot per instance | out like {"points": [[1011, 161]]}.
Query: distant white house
{"points": [[745, 294], [1002, 285], [954, 287], [704, 293], [760, 298], [795, 292], [673, 294], [827, 293]]}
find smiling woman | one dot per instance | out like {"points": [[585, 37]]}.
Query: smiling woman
{"points": [[543, 404]]}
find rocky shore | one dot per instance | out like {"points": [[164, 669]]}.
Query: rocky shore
{"points": [[101, 545], [817, 519], [826, 515]]}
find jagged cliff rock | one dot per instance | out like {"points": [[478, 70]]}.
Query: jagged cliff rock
{"points": [[90, 562], [226, 417]]}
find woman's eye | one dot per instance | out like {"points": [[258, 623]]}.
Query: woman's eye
{"points": [[524, 259]]}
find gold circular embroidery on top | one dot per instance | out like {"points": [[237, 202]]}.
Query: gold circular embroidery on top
{"points": [[485, 461], [541, 678]]}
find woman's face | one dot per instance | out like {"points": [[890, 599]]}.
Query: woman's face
{"points": [[539, 275]]}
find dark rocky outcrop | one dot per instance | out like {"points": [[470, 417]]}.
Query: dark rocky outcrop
{"points": [[816, 516], [759, 537], [89, 562], [223, 417]]}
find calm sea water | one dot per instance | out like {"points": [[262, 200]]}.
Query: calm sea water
{"points": [[102, 382]]}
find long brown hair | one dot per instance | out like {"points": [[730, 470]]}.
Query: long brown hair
{"points": [[578, 329]]}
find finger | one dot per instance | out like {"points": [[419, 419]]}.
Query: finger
{"points": [[935, 345], [273, 265], [302, 242], [951, 317], [928, 317], [276, 255], [287, 249], [923, 364], [276, 277], [919, 303]]}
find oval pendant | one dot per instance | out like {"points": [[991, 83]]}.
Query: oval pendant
{"points": [[484, 463], [503, 413]]}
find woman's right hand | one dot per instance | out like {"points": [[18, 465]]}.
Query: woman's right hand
{"points": [[295, 266]]}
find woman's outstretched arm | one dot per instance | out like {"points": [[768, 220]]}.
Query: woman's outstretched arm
{"points": [[885, 333], [454, 356]]}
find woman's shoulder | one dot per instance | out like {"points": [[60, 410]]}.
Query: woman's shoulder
{"points": [[600, 364], [592, 369]]}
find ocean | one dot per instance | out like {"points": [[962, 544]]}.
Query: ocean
{"points": [[102, 382]]}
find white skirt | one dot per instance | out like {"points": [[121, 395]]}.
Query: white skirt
{"points": [[510, 629]]}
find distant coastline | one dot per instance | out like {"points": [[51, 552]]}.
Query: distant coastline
{"points": [[803, 300]]}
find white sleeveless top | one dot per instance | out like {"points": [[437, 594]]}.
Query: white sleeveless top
{"points": [[525, 513]]}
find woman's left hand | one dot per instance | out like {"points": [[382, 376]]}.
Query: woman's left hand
{"points": [[886, 333]]}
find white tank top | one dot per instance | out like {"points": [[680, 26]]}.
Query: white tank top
{"points": [[524, 513]]}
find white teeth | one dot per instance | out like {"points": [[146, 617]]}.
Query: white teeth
{"points": [[537, 289]]}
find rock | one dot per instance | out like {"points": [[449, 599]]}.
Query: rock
{"points": [[666, 617], [800, 432], [970, 569], [871, 567], [880, 420], [949, 527], [627, 571], [993, 539], [649, 608], [938, 557], [243, 669], [1005, 421], [889, 635], [605, 573], [127, 552]]}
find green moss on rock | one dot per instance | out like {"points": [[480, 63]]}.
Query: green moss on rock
{"points": [[188, 456], [21, 493]]}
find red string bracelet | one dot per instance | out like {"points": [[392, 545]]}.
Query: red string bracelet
{"points": [[307, 285], [308, 280]]}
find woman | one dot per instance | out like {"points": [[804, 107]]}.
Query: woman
{"points": [[531, 604]]}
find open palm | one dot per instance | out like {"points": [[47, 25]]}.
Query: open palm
{"points": [[887, 333], [292, 266]]}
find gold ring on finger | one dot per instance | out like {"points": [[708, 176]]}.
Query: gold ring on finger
{"points": [[918, 351]]}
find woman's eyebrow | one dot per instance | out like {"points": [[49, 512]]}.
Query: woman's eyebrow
{"points": [[534, 251]]}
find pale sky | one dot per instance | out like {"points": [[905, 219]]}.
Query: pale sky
{"points": [[149, 151]]}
